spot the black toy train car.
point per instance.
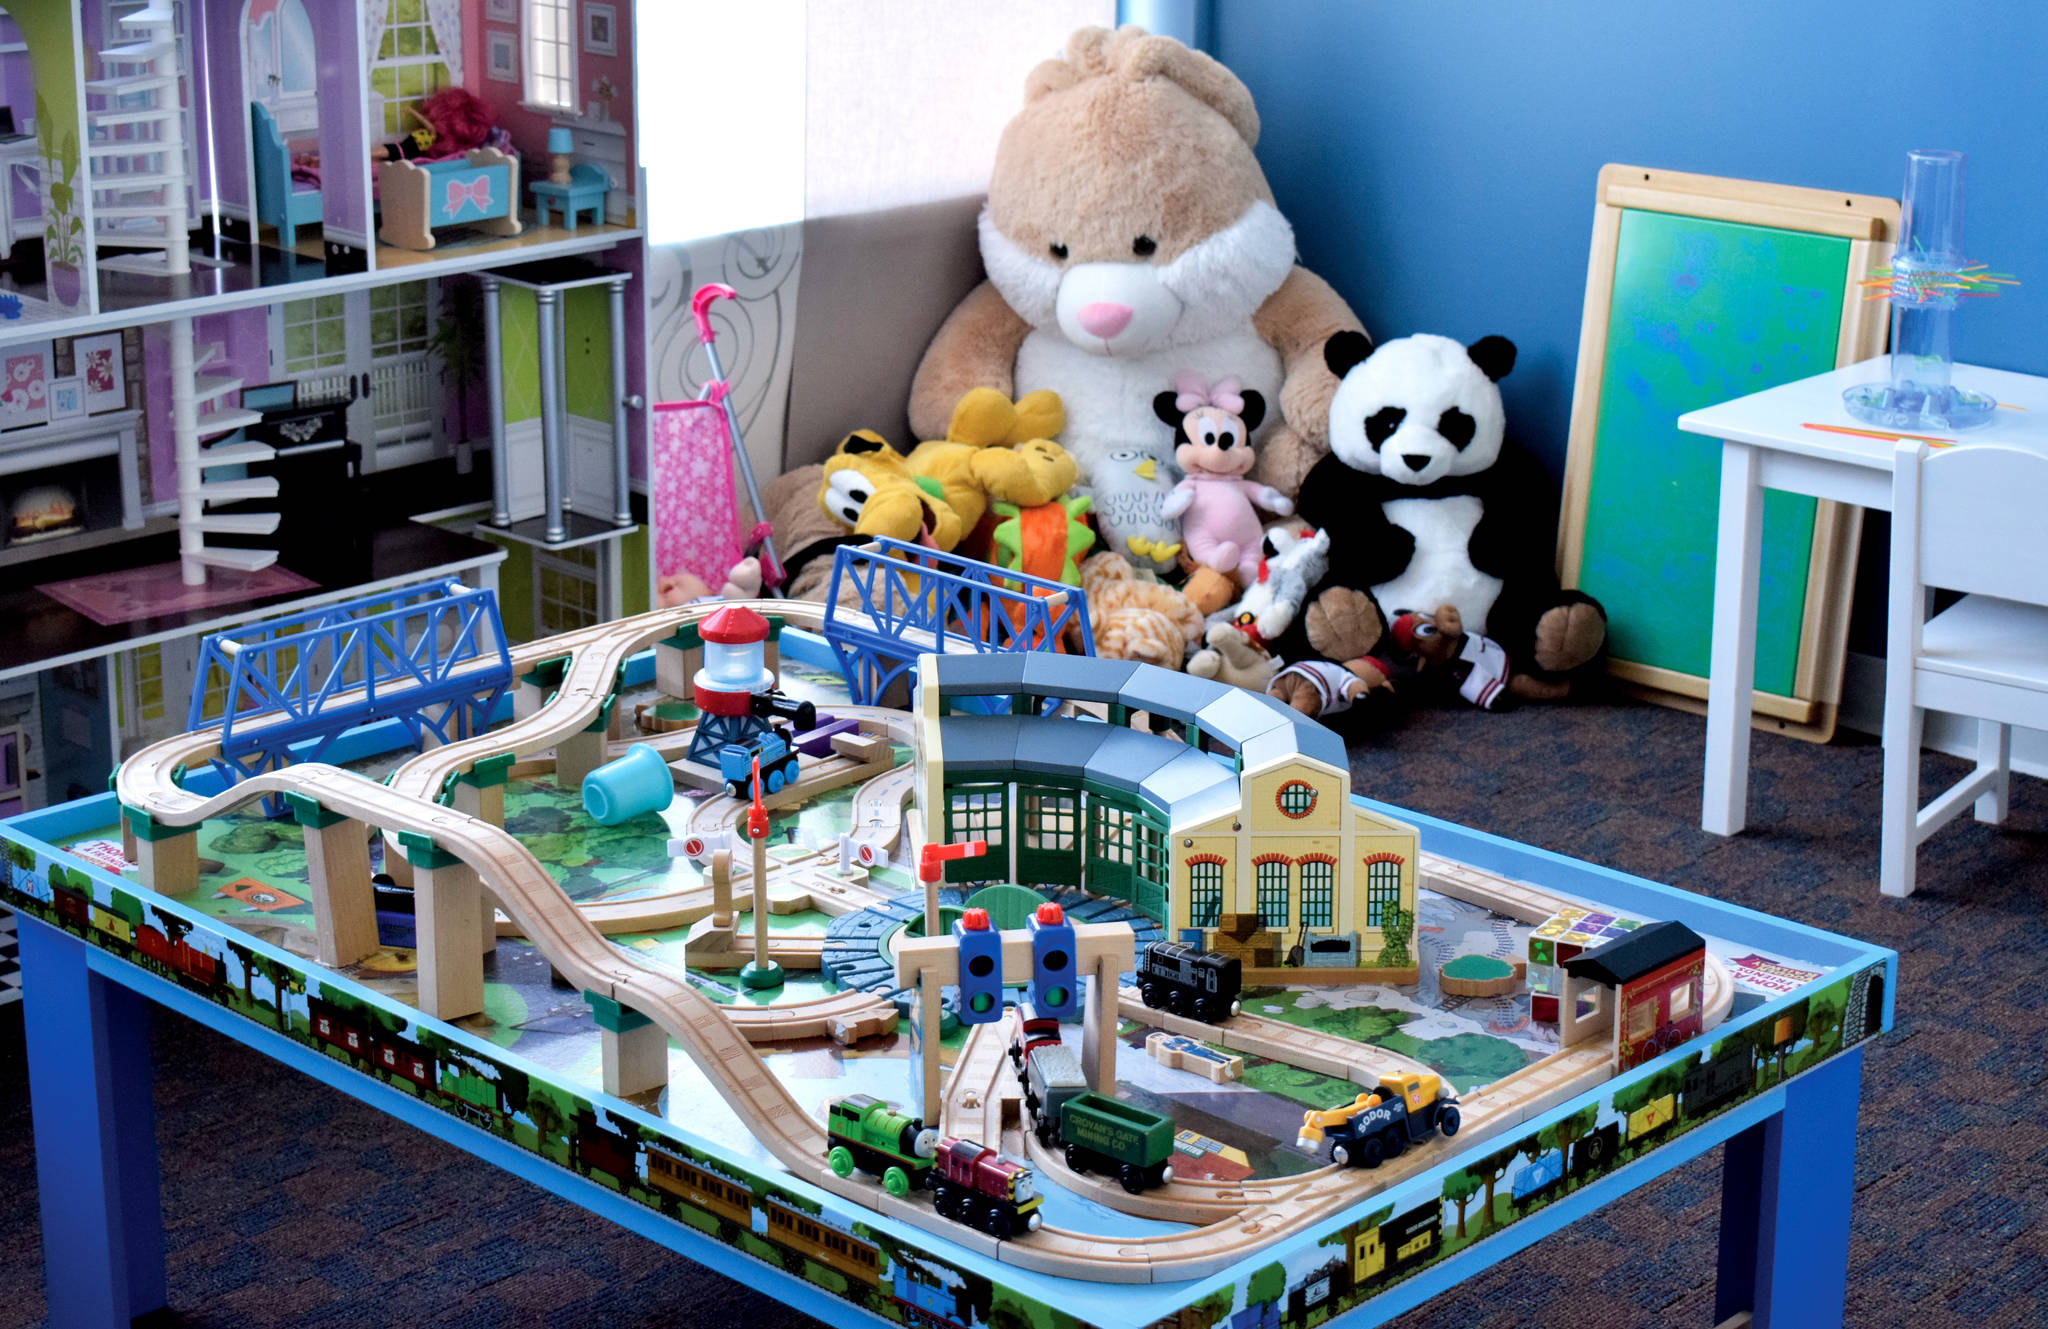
(1187, 980)
(1713, 1084)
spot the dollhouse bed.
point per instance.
(283, 199)
(478, 189)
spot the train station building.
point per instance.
(1233, 826)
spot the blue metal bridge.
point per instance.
(433, 657)
(890, 602)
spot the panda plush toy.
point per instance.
(1426, 506)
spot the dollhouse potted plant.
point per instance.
(64, 232)
(458, 341)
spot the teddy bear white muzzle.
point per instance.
(1116, 308)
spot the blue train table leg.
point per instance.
(1787, 1185)
(95, 1128)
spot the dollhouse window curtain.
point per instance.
(416, 49)
(442, 17)
(821, 108)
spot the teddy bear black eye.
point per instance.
(1226, 440)
(1209, 438)
(1059, 250)
(1381, 424)
(1456, 426)
(1144, 246)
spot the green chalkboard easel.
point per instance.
(1702, 290)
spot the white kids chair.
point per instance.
(1971, 519)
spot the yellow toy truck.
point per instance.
(1377, 1125)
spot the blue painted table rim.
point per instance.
(1109, 1305)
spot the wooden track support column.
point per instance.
(578, 755)
(1105, 950)
(634, 1049)
(721, 888)
(1098, 1025)
(930, 1029)
(537, 684)
(447, 899)
(338, 870)
(167, 855)
(676, 661)
(480, 790)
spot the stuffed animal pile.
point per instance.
(1146, 373)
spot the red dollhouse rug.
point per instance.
(113, 598)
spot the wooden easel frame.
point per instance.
(1871, 226)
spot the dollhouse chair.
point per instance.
(1964, 519)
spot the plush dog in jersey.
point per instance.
(1426, 506)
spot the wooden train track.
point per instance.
(982, 1091)
(713, 1038)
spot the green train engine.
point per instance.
(862, 1132)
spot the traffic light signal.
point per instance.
(981, 968)
(1053, 981)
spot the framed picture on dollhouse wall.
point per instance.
(97, 362)
(67, 397)
(501, 56)
(24, 385)
(600, 30)
(501, 11)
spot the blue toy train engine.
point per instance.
(774, 745)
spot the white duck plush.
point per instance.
(1285, 576)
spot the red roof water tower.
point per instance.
(735, 661)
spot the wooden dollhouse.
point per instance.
(216, 358)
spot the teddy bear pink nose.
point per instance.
(1103, 319)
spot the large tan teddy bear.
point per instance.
(1129, 235)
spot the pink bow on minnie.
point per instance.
(1191, 390)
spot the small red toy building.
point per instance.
(1657, 975)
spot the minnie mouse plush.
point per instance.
(1215, 503)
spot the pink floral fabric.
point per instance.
(690, 484)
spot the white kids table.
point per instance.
(1765, 445)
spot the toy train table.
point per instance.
(975, 1093)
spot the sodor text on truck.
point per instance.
(1377, 1125)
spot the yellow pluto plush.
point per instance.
(869, 489)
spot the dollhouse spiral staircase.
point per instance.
(192, 389)
(136, 145)
(136, 149)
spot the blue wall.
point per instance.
(1438, 159)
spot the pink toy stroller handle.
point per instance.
(700, 307)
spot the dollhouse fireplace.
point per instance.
(68, 478)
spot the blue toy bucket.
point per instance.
(623, 789)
